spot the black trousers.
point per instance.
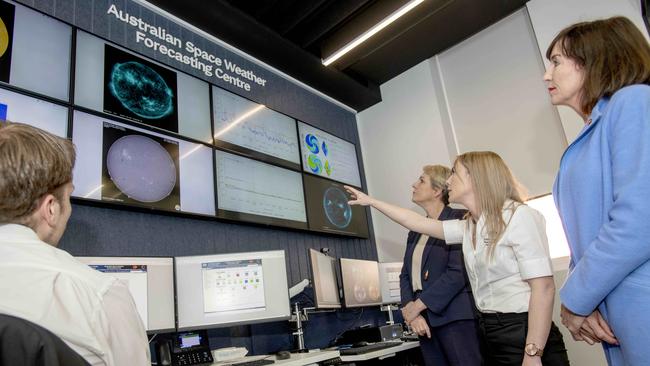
(503, 338)
(452, 344)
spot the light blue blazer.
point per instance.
(602, 193)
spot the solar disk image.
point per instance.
(140, 169)
(139, 90)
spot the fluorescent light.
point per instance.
(372, 31)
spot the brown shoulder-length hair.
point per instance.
(612, 52)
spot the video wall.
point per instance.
(152, 137)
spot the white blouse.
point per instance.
(499, 283)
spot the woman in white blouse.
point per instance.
(506, 257)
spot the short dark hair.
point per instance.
(33, 163)
(612, 52)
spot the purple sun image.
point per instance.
(141, 168)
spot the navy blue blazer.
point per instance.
(445, 289)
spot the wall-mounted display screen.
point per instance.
(228, 289)
(328, 209)
(328, 156)
(112, 80)
(252, 129)
(360, 282)
(253, 191)
(39, 113)
(123, 164)
(34, 51)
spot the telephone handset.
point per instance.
(185, 348)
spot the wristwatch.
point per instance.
(531, 349)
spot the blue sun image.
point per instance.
(141, 90)
(312, 143)
(336, 207)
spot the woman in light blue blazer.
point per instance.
(601, 69)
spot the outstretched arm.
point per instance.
(402, 216)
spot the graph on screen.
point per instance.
(248, 186)
(244, 123)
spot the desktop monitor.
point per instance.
(389, 280)
(326, 286)
(360, 282)
(151, 283)
(223, 290)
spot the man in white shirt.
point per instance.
(91, 312)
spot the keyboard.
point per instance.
(367, 349)
(259, 362)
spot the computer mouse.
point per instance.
(283, 355)
(360, 344)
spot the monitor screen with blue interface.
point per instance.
(151, 283)
(254, 130)
(223, 290)
(324, 280)
(360, 282)
(250, 190)
(328, 209)
(328, 156)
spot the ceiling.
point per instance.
(294, 35)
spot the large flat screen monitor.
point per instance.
(328, 210)
(389, 279)
(151, 283)
(250, 190)
(360, 282)
(39, 113)
(254, 130)
(328, 156)
(127, 165)
(119, 82)
(324, 280)
(223, 290)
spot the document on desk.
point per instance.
(135, 276)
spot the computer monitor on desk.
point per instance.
(223, 290)
(389, 279)
(324, 279)
(360, 282)
(151, 283)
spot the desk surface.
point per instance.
(382, 353)
(297, 359)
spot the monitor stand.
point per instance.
(389, 309)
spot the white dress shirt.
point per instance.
(499, 283)
(91, 312)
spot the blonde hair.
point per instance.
(33, 163)
(493, 185)
(438, 175)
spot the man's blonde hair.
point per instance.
(33, 163)
(493, 184)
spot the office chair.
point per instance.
(25, 343)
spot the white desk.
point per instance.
(382, 353)
(297, 359)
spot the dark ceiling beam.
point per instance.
(241, 31)
(324, 22)
(298, 13)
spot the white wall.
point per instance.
(498, 101)
(398, 136)
(549, 17)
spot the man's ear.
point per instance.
(49, 209)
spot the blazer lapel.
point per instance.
(429, 245)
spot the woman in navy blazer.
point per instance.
(441, 310)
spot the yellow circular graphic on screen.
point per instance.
(4, 38)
